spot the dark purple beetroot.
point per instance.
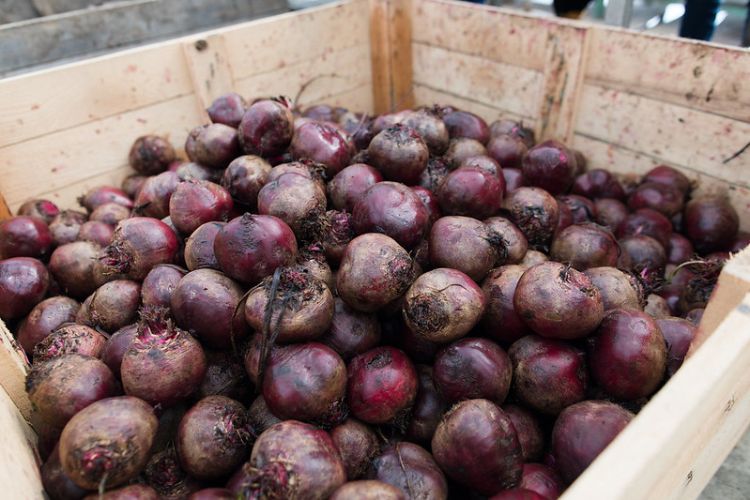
(643, 255)
(204, 304)
(159, 284)
(663, 198)
(321, 143)
(382, 386)
(430, 128)
(741, 241)
(657, 307)
(74, 267)
(213, 438)
(368, 490)
(517, 494)
(564, 219)
(581, 208)
(461, 149)
(23, 284)
(465, 244)
(225, 376)
(44, 209)
(618, 289)
(56, 484)
(680, 249)
(711, 223)
(70, 338)
(535, 212)
(374, 271)
(648, 222)
(151, 155)
(484, 162)
(350, 184)
(351, 332)
(513, 244)
(212, 494)
(500, 320)
(392, 209)
(528, 430)
(695, 315)
(227, 109)
(112, 305)
(477, 446)
(628, 355)
(100, 195)
(196, 202)
(557, 301)
(199, 247)
(313, 258)
(213, 146)
(133, 492)
(306, 168)
(109, 440)
(357, 444)
(610, 212)
(548, 375)
(116, 346)
(598, 183)
(418, 348)
(532, 258)
(132, 184)
(507, 150)
(244, 177)
(581, 433)
(45, 318)
(153, 198)
(61, 387)
(443, 305)
(399, 153)
(164, 474)
(513, 128)
(24, 236)
(471, 191)
(260, 416)
(110, 213)
(543, 480)
(513, 179)
(434, 174)
(585, 245)
(139, 244)
(267, 127)
(430, 202)
(96, 232)
(678, 334)
(550, 166)
(191, 171)
(465, 124)
(663, 174)
(251, 247)
(412, 470)
(65, 226)
(428, 408)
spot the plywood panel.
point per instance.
(19, 473)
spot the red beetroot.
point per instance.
(430, 202)
(610, 212)
(56, 484)
(500, 320)
(350, 184)
(267, 127)
(212, 494)
(382, 386)
(647, 222)
(657, 307)
(430, 128)
(461, 149)
(227, 109)
(23, 284)
(433, 175)
(477, 446)
(295, 199)
(24, 236)
(393, 209)
(513, 128)
(472, 368)
(100, 195)
(199, 247)
(471, 191)
(374, 271)
(225, 376)
(557, 301)
(70, 339)
(618, 289)
(678, 333)
(550, 166)
(412, 470)
(513, 242)
(663, 174)
(643, 255)
(443, 305)
(357, 444)
(565, 218)
(306, 168)
(548, 375)
(528, 430)
(74, 267)
(139, 244)
(465, 124)
(628, 355)
(204, 303)
(96, 232)
(368, 490)
(191, 171)
(116, 346)
(159, 284)
(581, 433)
(213, 145)
(534, 211)
(399, 153)
(244, 177)
(351, 332)
(680, 249)
(44, 209)
(483, 162)
(581, 208)
(154, 197)
(112, 305)
(165, 475)
(532, 258)
(428, 408)
(151, 155)
(321, 143)
(251, 247)
(465, 244)
(196, 202)
(741, 241)
(584, 246)
(110, 213)
(109, 440)
(711, 223)
(542, 480)
(133, 492)
(598, 183)
(65, 226)
(507, 150)
(45, 318)
(260, 416)
(660, 197)
(695, 316)
(513, 179)
(517, 494)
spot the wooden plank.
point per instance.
(679, 439)
(686, 72)
(67, 196)
(565, 61)
(64, 158)
(672, 134)
(208, 63)
(4, 210)
(499, 85)
(357, 99)
(19, 473)
(380, 57)
(619, 13)
(13, 368)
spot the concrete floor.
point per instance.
(732, 480)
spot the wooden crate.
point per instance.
(627, 100)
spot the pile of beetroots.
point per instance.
(324, 304)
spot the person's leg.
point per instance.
(698, 21)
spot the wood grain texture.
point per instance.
(391, 54)
(4, 209)
(208, 64)
(14, 366)
(19, 473)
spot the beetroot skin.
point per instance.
(357, 444)
(500, 320)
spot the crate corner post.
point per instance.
(208, 65)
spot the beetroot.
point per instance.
(132, 184)
(165, 475)
(65, 226)
(500, 320)
(663, 174)
(598, 183)
(288, 458)
(564, 219)
(557, 301)
(461, 149)
(204, 303)
(428, 408)
(399, 153)
(368, 490)
(647, 222)
(199, 247)
(154, 197)
(96, 232)
(190, 171)
(430, 202)
(412, 470)
(260, 417)
(151, 155)
(644, 255)
(108, 442)
(74, 267)
(56, 484)
(350, 184)
(213, 145)
(110, 213)
(434, 174)
(225, 376)
(528, 430)
(581, 208)
(680, 249)
(471, 191)
(44, 318)
(159, 284)
(321, 143)
(618, 289)
(548, 375)
(70, 339)
(542, 480)
(374, 271)
(477, 446)
(534, 211)
(23, 284)
(306, 168)
(393, 209)
(98, 196)
(139, 244)
(227, 109)
(484, 162)
(44, 209)
(678, 333)
(628, 355)
(323, 113)
(351, 332)
(116, 346)
(507, 150)
(550, 166)
(296, 200)
(357, 444)
(196, 202)
(443, 305)
(711, 223)
(112, 306)
(266, 128)
(465, 244)
(251, 247)
(465, 124)
(212, 494)
(382, 386)
(581, 433)
(244, 177)
(430, 128)
(610, 212)
(695, 316)
(312, 259)
(513, 243)
(24, 236)
(584, 246)
(513, 128)
(513, 179)
(657, 307)
(663, 198)
(741, 241)
(532, 258)
(132, 492)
